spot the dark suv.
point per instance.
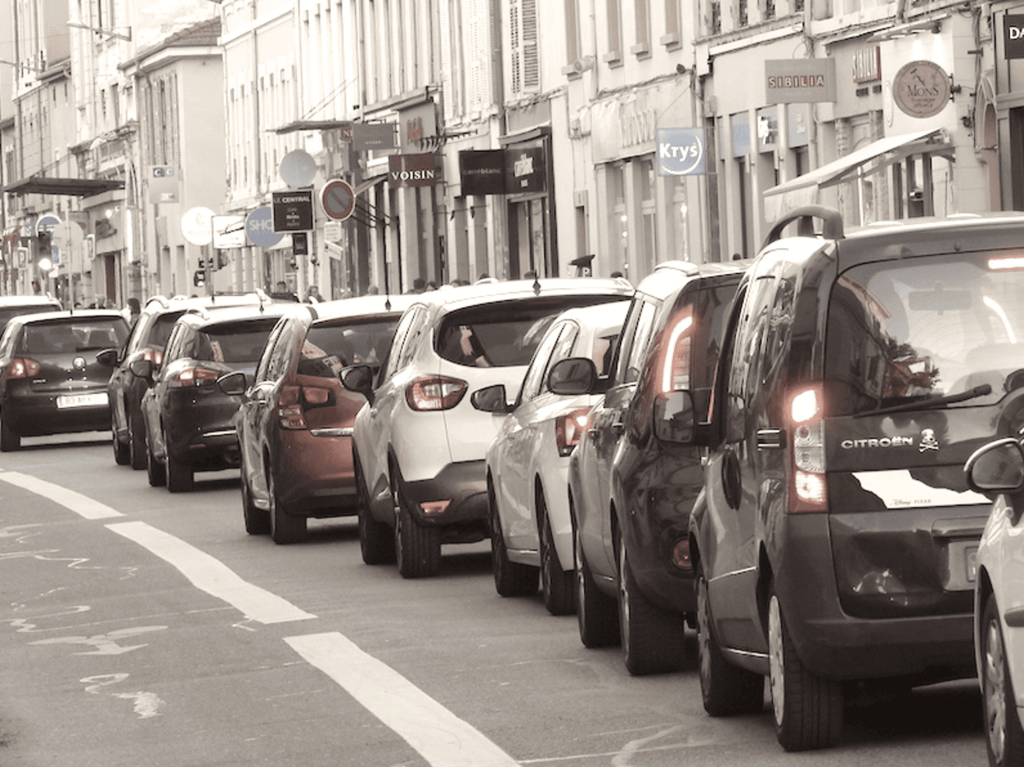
(836, 538)
(631, 485)
(147, 342)
(189, 419)
(50, 381)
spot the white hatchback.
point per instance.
(997, 470)
(418, 443)
(528, 462)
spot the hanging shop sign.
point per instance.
(525, 170)
(368, 137)
(413, 170)
(293, 211)
(482, 171)
(799, 80)
(1013, 36)
(921, 89)
(681, 152)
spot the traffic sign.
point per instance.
(47, 223)
(338, 199)
(197, 226)
(259, 227)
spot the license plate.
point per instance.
(81, 400)
(971, 561)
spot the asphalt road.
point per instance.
(143, 628)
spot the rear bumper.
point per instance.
(314, 475)
(31, 414)
(463, 485)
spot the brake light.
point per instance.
(435, 393)
(675, 374)
(569, 428)
(153, 355)
(22, 367)
(293, 401)
(808, 492)
(197, 376)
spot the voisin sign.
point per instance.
(413, 169)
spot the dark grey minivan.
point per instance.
(835, 540)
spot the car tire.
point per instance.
(725, 689)
(511, 579)
(285, 527)
(257, 521)
(557, 585)
(179, 475)
(376, 542)
(417, 547)
(808, 710)
(596, 613)
(1004, 737)
(9, 439)
(136, 441)
(156, 472)
(652, 638)
(121, 454)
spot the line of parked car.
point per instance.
(813, 459)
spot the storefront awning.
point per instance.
(803, 190)
(71, 187)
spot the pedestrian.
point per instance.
(372, 290)
(313, 295)
(281, 292)
(134, 310)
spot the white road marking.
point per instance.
(147, 704)
(436, 733)
(105, 644)
(69, 499)
(212, 576)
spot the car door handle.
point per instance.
(618, 426)
(770, 439)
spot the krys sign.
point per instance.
(681, 152)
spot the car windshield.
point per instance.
(330, 347)
(233, 342)
(74, 335)
(505, 333)
(913, 331)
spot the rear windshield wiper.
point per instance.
(931, 402)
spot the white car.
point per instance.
(528, 462)
(997, 470)
(418, 443)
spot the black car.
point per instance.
(189, 420)
(835, 543)
(147, 342)
(632, 487)
(51, 380)
(12, 306)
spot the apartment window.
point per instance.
(673, 24)
(769, 9)
(573, 49)
(742, 13)
(614, 54)
(642, 16)
(525, 57)
(715, 17)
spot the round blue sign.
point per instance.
(47, 223)
(259, 228)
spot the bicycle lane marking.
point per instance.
(436, 733)
(442, 738)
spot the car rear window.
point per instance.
(504, 333)
(232, 342)
(910, 330)
(74, 335)
(330, 347)
(9, 312)
(161, 330)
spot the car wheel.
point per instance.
(121, 454)
(417, 547)
(257, 521)
(557, 585)
(376, 542)
(511, 579)
(1004, 735)
(808, 709)
(180, 477)
(9, 439)
(136, 441)
(652, 638)
(284, 527)
(725, 689)
(596, 612)
(156, 472)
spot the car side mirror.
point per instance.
(234, 384)
(573, 376)
(674, 417)
(142, 368)
(996, 468)
(108, 358)
(491, 399)
(358, 379)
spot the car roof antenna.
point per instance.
(387, 286)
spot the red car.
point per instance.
(295, 422)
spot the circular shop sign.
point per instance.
(197, 226)
(338, 199)
(921, 89)
(259, 228)
(298, 168)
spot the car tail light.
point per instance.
(196, 376)
(569, 428)
(675, 373)
(153, 355)
(22, 367)
(294, 401)
(435, 393)
(808, 492)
